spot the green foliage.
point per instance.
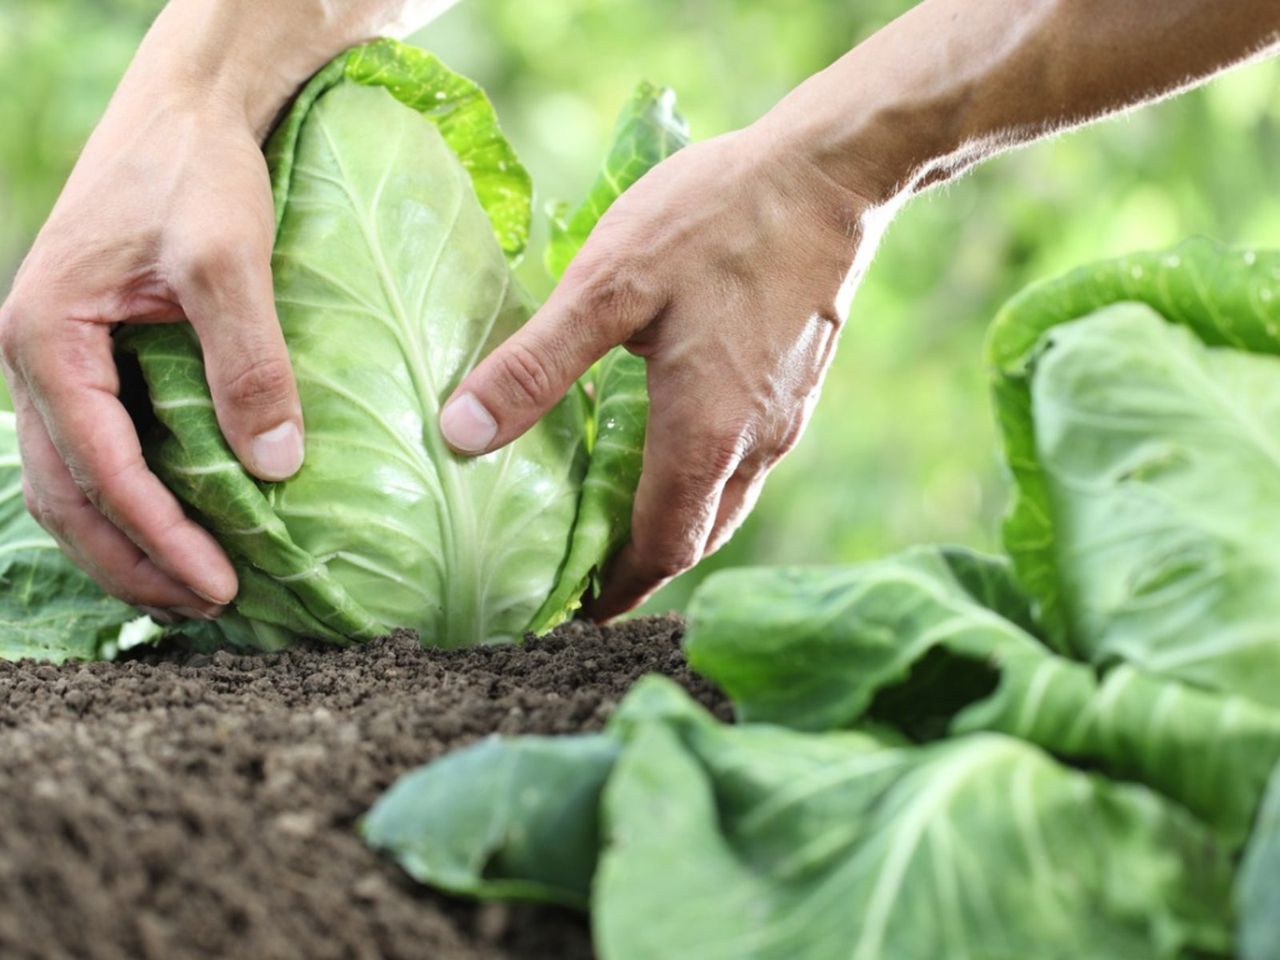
(511, 817)
(1120, 431)
(903, 643)
(1258, 895)
(635, 150)
(49, 610)
(756, 842)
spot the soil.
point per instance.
(203, 805)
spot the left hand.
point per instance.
(728, 269)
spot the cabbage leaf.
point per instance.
(49, 609)
(1173, 443)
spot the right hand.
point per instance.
(728, 268)
(167, 216)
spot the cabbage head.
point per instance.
(400, 211)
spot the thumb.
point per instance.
(532, 370)
(230, 302)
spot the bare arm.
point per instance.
(167, 216)
(731, 266)
(953, 82)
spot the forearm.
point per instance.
(954, 81)
(250, 56)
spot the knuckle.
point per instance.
(666, 561)
(31, 500)
(618, 287)
(261, 384)
(98, 485)
(216, 258)
(787, 442)
(136, 585)
(51, 516)
(94, 486)
(12, 335)
(722, 451)
(526, 375)
(121, 591)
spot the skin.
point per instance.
(730, 268)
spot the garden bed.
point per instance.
(190, 805)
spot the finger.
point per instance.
(677, 502)
(86, 536)
(74, 387)
(599, 304)
(229, 299)
(736, 503)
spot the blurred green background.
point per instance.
(901, 448)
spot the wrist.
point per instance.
(940, 88)
(243, 58)
(866, 135)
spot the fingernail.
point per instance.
(467, 425)
(163, 617)
(228, 594)
(192, 614)
(277, 453)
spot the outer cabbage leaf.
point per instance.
(457, 106)
(811, 647)
(1257, 887)
(1160, 461)
(608, 493)
(1225, 297)
(756, 842)
(905, 643)
(468, 123)
(507, 817)
(389, 286)
(49, 609)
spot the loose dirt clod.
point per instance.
(199, 806)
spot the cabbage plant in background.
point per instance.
(1071, 752)
(400, 210)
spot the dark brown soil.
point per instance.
(187, 806)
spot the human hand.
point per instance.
(167, 216)
(728, 269)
